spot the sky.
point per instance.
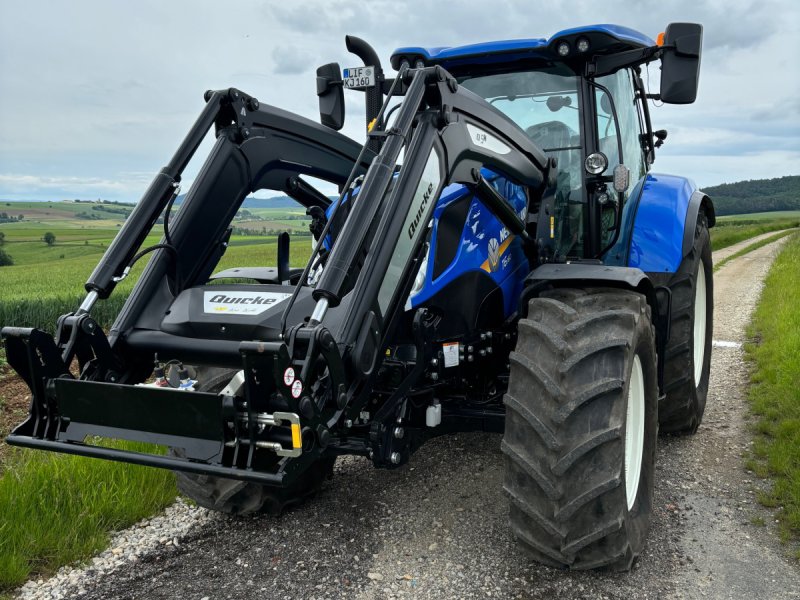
(95, 95)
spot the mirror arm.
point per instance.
(605, 65)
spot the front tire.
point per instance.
(687, 363)
(581, 428)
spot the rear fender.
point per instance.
(583, 275)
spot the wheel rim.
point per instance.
(699, 323)
(634, 431)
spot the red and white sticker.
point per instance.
(450, 352)
(288, 376)
(297, 388)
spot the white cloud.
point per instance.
(94, 90)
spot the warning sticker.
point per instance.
(450, 352)
(297, 388)
(288, 376)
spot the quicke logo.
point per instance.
(423, 205)
(223, 299)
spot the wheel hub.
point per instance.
(699, 323)
(634, 431)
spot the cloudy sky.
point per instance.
(96, 94)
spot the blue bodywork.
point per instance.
(653, 225)
(480, 228)
(446, 56)
(653, 218)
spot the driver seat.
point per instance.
(550, 135)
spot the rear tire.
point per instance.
(579, 444)
(235, 497)
(687, 363)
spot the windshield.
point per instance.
(545, 105)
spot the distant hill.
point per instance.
(741, 197)
(756, 195)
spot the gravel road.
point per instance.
(437, 527)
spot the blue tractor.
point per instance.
(500, 257)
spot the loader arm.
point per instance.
(297, 387)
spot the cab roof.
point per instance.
(603, 38)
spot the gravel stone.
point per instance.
(128, 546)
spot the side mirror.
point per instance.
(330, 90)
(680, 63)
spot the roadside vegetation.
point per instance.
(56, 509)
(775, 393)
(732, 230)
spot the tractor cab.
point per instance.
(580, 96)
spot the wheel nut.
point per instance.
(399, 432)
(395, 458)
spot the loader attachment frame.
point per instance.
(321, 368)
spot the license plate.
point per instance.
(356, 78)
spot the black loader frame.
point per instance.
(331, 335)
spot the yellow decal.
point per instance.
(552, 227)
(297, 440)
(503, 247)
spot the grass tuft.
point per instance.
(56, 509)
(774, 392)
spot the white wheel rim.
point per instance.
(699, 323)
(634, 431)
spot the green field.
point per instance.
(46, 281)
(774, 393)
(733, 229)
(762, 216)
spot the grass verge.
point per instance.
(774, 393)
(56, 509)
(729, 232)
(750, 247)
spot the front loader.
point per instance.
(499, 258)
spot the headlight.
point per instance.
(582, 44)
(563, 49)
(596, 163)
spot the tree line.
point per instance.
(756, 195)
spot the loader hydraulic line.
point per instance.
(339, 268)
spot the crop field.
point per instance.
(47, 281)
(34, 293)
(776, 215)
(733, 229)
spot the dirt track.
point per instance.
(437, 528)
